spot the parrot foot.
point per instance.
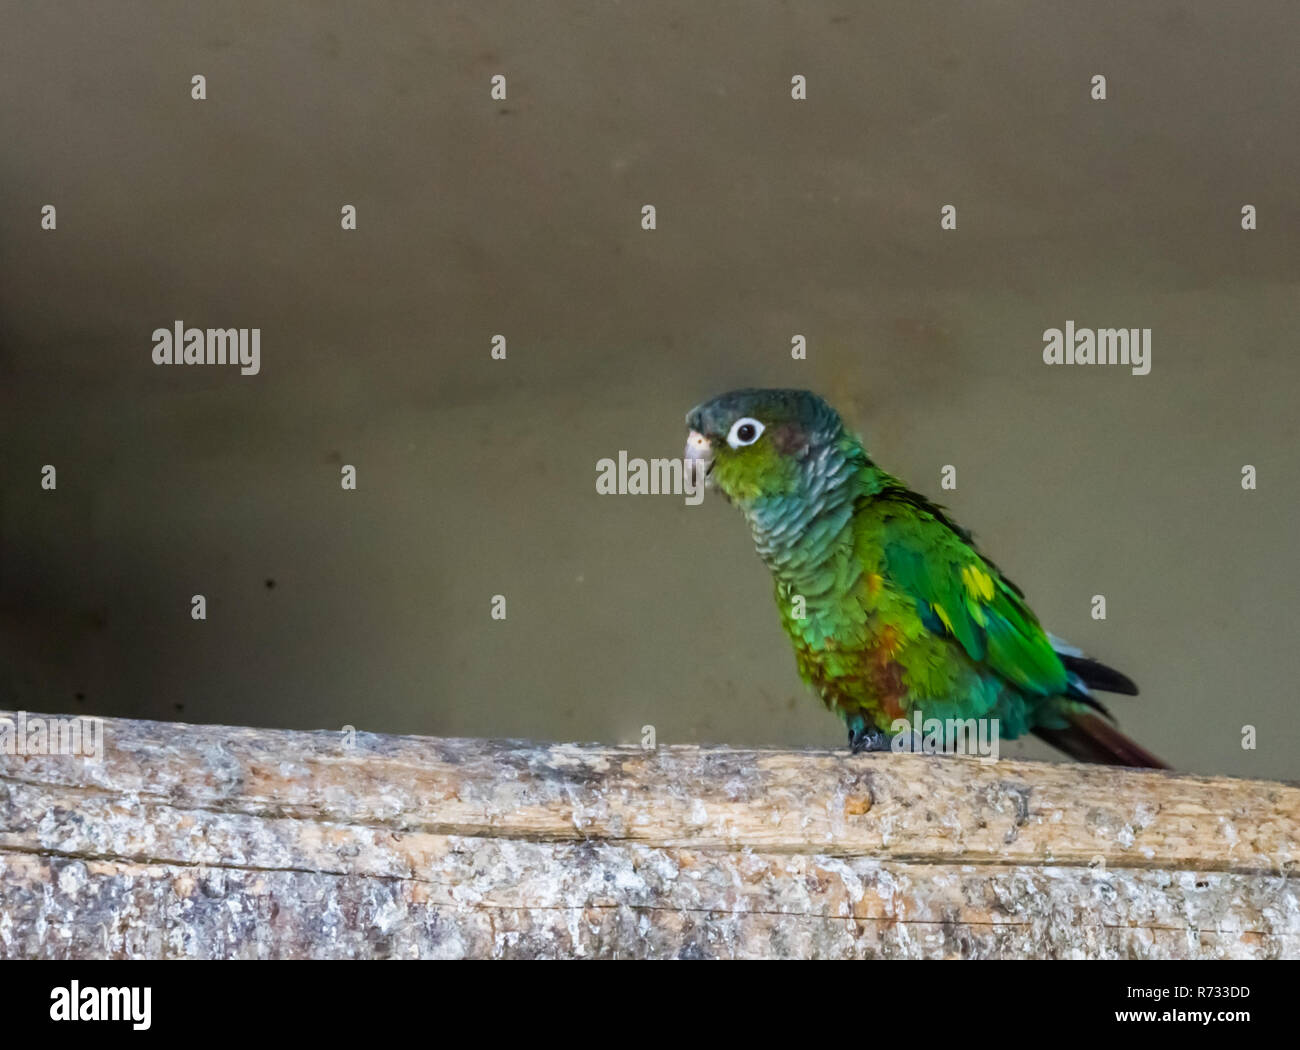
(868, 738)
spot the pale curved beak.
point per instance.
(699, 456)
(698, 447)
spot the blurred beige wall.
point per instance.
(522, 217)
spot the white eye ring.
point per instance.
(734, 437)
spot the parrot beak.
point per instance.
(697, 446)
(699, 454)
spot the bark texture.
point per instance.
(216, 842)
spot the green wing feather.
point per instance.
(960, 592)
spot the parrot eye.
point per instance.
(744, 432)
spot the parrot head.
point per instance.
(757, 444)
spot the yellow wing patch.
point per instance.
(942, 614)
(978, 582)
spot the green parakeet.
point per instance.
(891, 608)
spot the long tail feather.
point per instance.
(1096, 675)
(1092, 739)
(1093, 674)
